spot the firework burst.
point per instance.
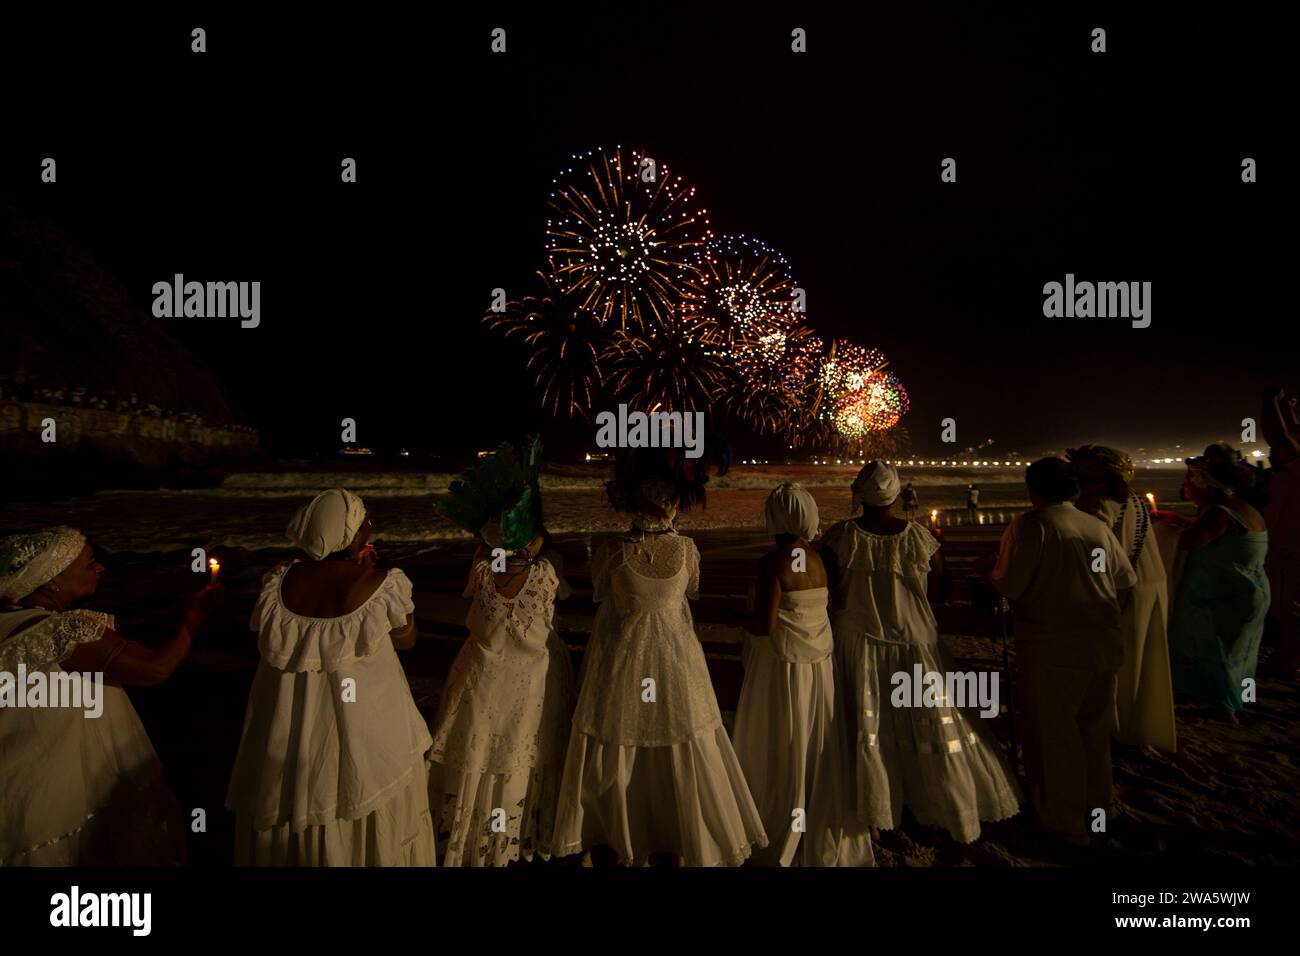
(877, 406)
(740, 283)
(858, 395)
(564, 343)
(677, 365)
(622, 244)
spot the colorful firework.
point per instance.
(776, 354)
(677, 365)
(877, 406)
(564, 343)
(844, 370)
(623, 235)
(740, 283)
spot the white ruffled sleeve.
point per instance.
(293, 642)
(53, 638)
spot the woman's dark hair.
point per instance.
(1053, 479)
(634, 466)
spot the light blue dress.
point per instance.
(1218, 618)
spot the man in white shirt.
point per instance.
(1066, 576)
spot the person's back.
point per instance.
(327, 589)
(1064, 570)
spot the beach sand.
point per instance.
(1227, 796)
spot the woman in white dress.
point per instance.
(789, 735)
(79, 788)
(936, 761)
(331, 768)
(1144, 704)
(650, 768)
(503, 721)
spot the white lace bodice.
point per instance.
(509, 694)
(645, 680)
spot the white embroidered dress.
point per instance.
(939, 762)
(792, 744)
(331, 768)
(650, 768)
(75, 790)
(502, 724)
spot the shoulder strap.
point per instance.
(1234, 516)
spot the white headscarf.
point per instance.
(327, 523)
(28, 561)
(791, 510)
(876, 486)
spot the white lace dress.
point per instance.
(650, 768)
(939, 762)
(791, 742)
(75, 789)
(331, 768)
(502, 724)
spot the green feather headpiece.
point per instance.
(498, 499)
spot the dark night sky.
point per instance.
(1122, 166)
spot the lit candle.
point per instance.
(934, 516)
(214, 566)
(1151, 498)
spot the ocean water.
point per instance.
(250, 510)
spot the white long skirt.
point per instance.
(1144, 702)
(688, 799)
(492, 819)
(397, 833)
(944, 766)
(794, 752)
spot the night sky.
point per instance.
(1123, 166)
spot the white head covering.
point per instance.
(28, 561)
(327, 523)
(876, 486)
(791, 510)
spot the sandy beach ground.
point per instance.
(1229, 795)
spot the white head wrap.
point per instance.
(327, 523)
(791, 510)
(876, 486)
(28, 561)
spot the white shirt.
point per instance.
(1066, 612)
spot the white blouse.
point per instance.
(331, 730)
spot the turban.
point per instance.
(327, 523)
(28, 561)
(791, 510)
(876, 486)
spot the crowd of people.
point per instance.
(631, 761)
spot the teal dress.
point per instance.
(1218, 618)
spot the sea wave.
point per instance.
(301, 484)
